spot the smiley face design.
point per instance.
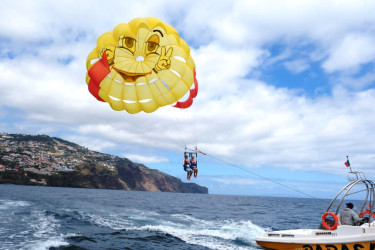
(140, 66)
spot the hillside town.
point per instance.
(44, 155)
(50, 161)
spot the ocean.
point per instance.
(34, 217)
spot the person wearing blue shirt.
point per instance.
(187, 168)
(194, 166)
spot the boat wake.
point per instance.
(22, 227)
(217, 234)
(105, 219)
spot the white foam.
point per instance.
(39, 231)
(47, 244)
(43, 225)
(112, 221)
(125, 220)
(216, 234)
(141, 212)
(6, 204)
(211, 234)
(188, 218)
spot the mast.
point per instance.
(348, 163)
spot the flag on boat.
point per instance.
(347, 163)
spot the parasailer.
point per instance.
(189, 162)
(187, 168)
(141, 66)
(194, 166)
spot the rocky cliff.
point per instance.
(50, 161)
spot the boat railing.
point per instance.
(355, 176)
(353, 188)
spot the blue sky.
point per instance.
(286, 89)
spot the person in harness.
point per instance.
(194, 166)
(186, 165)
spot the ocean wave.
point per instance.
(59, 218)
(216, 234)
(9, 204)
(35, 230)
(219, 234)
(80, 238)
(46, 243)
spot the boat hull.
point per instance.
(369, 245)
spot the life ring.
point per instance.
(367, 212)
(324, 223)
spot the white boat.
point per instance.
(331, 235)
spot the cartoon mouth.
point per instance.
(130, 77)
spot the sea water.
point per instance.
(33, 217)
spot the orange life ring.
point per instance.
(324, 223)
(367, 212)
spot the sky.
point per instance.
(286, 89)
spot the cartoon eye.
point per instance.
(129, 43)
(152, 44)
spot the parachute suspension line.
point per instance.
(194, 124)
(189, 127)
(260, 176)
(183, 124)
(155, 117)
(182, 145)
(173, 126)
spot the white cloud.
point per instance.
(91, 142)
(235, 117)
(230, 180)
(146, 159)
(357, 83)
(350, 53)
(296, 66)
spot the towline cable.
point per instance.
(258, 175)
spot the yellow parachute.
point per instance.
(141, 66)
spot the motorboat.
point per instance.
(331, 234)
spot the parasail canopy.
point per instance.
(141, 66)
